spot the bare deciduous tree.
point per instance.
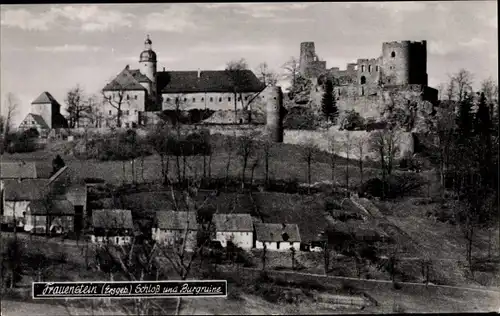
(384, 143)
(11, 103)
(308, 155)
(78, 106)
(291, 68)
(266, 75)
(235, 70)
(246, 148)
(347, 148)
(333, 151)
(359, 149)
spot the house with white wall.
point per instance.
(171, 227)
(112, 226)
(278, 237)
(235, 228)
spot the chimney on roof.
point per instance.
(199, 73)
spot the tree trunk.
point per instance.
(361, 170)
(309, 175)
(204, 166)
(267, 167)
(347, 172)
(124, 174)
(210, 166)
(245, 162)
(178, 167)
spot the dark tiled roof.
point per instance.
(14, 170)
(136, 73)
(233, 222)
(39, 120)
(43, 169)
(274, 232)
(56, 207)
(124, 81)
(25, 190)
(111, 219)
(45, 97)
(176, 220)
(209, 81)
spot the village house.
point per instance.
(17, 195)
(171, 227)
(54, 216)
(235, 228)
(112, 226)
(280, 237)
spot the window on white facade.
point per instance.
(168, 99)
(211, 99)
(220, 99)
(369, 68)
(128, 97)
(202, 99)
(194, 99)
(135, 97)
(109, 112)
(362, 68)
(376, 68)
(229, 99)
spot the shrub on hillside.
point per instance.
(398, 185)
(352, 121)
(20, 143)
(301, 118)
(371, 124)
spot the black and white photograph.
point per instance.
(250, 158)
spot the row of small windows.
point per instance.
(127, 112)
(203, 99)
(128, 97)
(369, 68)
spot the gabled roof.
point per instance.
(15, 170)
(274, 232)
(112, 219)
(233, 222)
(25, 190)
(125, 80)
(45, 97)
(176, 220)
(209, 81)
(55, 207)
(39, 120)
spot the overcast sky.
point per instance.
(54, 47)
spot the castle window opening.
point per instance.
(194, 99)
(229, 99)
(220, 99)
(211, 99)
(128, 97)
(168, 99)
(362, 91)
(369, 68)
(376, 68)
(109, 112)
(393, 54)
(202, 99)
(362, 68)
(185, 99)
(239, 99)
(135, 97)
(363, 79)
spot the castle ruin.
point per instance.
(366, 84)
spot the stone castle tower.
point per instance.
(147, 67)
(404, 62)
(310, 65)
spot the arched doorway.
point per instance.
(363, 79)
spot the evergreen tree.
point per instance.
(465, 119)
(483, 131)
(328, 102)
